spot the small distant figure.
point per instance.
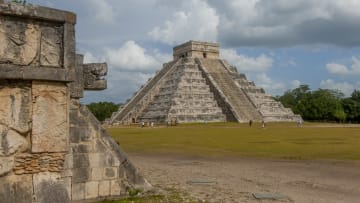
(250, 123)
(152, 124)
(300, 122)
(263, 124)
(142, 124)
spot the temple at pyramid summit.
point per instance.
(199, 86)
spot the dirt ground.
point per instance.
(236, 179)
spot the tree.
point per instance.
(103, 110)
(318, 105)
(355, 95)
(292, 98)
(351, 107)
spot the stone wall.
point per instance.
(52, 149)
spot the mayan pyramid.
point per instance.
(198, 86)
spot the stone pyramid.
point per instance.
(198, 86)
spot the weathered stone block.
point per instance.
(50, 103)
(6, 165)
(51, 46)
(75, 134)
(80, 134)
(82, 148)
(91, 190)
(49, 187)
(81, 175)
(11, 142)
(97, 159)
(110, 172)
(104, 188)
(100, 146)
(97, 173)
(115, 187)
(16, 189)
(110, 159)
(16, 105)
(81, 160)
(78, 191)
(68, 163)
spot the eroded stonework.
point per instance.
(40, 162)
(27, 42)
(50, 102)
(52, 149)
(15, 122)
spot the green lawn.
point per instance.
(277, 140)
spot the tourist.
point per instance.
(142, 124)
(250, 123)
(300, 123)
(263, 124)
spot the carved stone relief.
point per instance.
(29, 43)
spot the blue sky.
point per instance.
(278, 44)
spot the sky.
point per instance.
(278, 44)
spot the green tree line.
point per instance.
(103, 110)
(322, 104)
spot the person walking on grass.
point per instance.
(263, 124)
(300, 123)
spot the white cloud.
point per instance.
(103, 11)
(195, 20)
(295, 84)
(337, 69)
(340, 69)
(90, 58)
(344, 87)
(245, 63)
(163, 57)
(132, 57)
(272, 87)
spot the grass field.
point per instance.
(277, 140)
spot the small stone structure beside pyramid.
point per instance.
(198, 86)
(52, 149)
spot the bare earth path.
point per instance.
(235, 179)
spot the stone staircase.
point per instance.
(142, 98)
(270, 109)
(184, 96)
(241, 105)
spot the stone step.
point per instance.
(241, 104)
